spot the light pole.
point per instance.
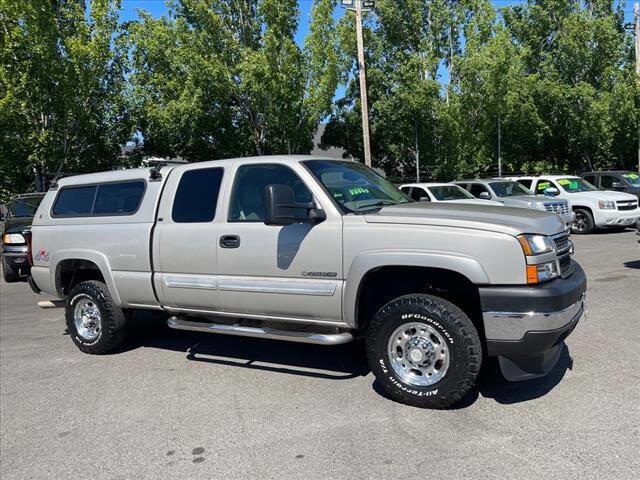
(635, 26)
(358, 6)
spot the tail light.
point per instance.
(27, 236)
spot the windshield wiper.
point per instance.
(380, 203)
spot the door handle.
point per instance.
(230, 241)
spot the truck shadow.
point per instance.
(341, 362)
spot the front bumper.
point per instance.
(568, 218)
(616, 218)
(17, 257)
(525, 326)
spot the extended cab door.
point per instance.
(292, 272)
(186, 236)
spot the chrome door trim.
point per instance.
(279, 286)
(203, 282)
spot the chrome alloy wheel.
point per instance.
(580, 223)
(86, 316)
(418, 354)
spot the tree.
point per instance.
(62, 86)
(226, 78)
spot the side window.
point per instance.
(419, 193)
(247, 200)
(525, 182)
(606, 181)
(477, 188)
(197, 195)
(75, 201)
(590, 178)
(406, 190)
(543, 184)
(118, 198)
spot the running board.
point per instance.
(261, 332)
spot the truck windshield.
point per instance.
(575, 185)
(450, 192)
(509, 189)
(24, 207)
(355, 187)
(632, 178)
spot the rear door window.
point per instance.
(118, 198)
(75, 201)
(525, 182)
(418, 194)
(197, 195)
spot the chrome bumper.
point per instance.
(512, 326)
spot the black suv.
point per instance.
(15, 264)
(618, 180)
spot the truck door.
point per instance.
(185, 239)
(292, 271)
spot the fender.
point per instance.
(90, 255)
(363, 264)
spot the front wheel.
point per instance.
(424, 351)
(95, 323)
(583, 224)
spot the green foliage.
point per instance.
(221, 78)
(62, 89)
(555, 75)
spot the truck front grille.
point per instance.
(627, 205)
(566, 265)
(562, 243)
(560, 208)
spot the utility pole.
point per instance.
(357, 6)
(636, 21)
(499, 148)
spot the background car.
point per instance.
(593, 208)
(15, 262)
(619, 181)
(442, 192)
(513, 194)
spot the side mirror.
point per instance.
(484, 196)
(282, 209)
(551, 191)
(618, 185)
(424, 199)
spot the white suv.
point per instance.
(593, 207)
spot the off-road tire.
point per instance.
(454, 326)
(113, 319)
(589, 224)
(10, 274)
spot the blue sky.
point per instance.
(157, 8)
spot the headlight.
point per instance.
(607, 204)
(535, 244)
(542, 272)
(12, 238)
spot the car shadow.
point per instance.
(340, 362)
(634, 264)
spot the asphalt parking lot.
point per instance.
(185, 405)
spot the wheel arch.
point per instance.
(69, 267)
(373, 278)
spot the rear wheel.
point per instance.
(424, 351)
(9, 273)
(583, 223)
(95, 323)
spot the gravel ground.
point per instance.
(183, 405)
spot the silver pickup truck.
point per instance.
(312, 250)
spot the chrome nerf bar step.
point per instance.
(178, 323)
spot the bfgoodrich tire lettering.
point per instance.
(452, 326)
(111, 331)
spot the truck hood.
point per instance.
(601, 195)
(525, 199)
(509, 220)
(473, 201)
